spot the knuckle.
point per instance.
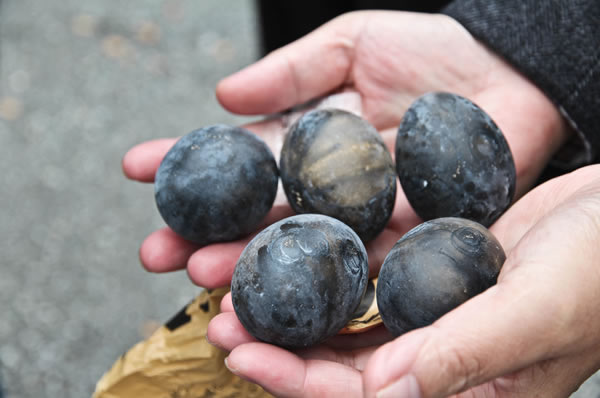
(458, 368)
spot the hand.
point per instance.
(532, 334)
(387, 59)
(212, 266)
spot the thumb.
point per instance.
(303, 70)
(542, 308)
(488, 336)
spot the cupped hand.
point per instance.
(535, 333)
(212, 266)
(386, 60)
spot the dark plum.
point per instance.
(453, 161)
(216, 184)
(433, 269)
(335, 163)
(300, 280)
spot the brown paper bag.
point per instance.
(177, 361)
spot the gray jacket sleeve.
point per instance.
(556, 44)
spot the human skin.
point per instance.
(532, 334)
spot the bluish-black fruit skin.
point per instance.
(433, 269)
(335, 163)
(299, 281)
(216, 184)
(453, 161)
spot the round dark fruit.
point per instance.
(216, 184)
(433, 269)
(335, 163)
(300, 280)
(453, 161)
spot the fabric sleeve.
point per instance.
(556, 44)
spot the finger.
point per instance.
(294, 74)
(372, 337)
(212, 266)
(284, 374)
(274, 127)
(227, 303)
(165, 251)
(141, 162)
(226, 332)
(355, 358)
(491, 335)
(465, 348)
(539, 310)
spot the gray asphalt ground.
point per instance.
(81, 81)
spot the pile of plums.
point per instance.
(300, 280)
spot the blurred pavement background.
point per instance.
(81, 81)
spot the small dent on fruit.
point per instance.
(468, 240)
(289, 251)
(447, 256)
(298, 244)
(262, 253)
(310, 247)
(352, 258)
(287, 226)
(482, 145)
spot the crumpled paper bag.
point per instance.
(177, 361)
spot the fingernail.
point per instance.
(210, 342)
(232, 370)
(236, 371)
(406, 387)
